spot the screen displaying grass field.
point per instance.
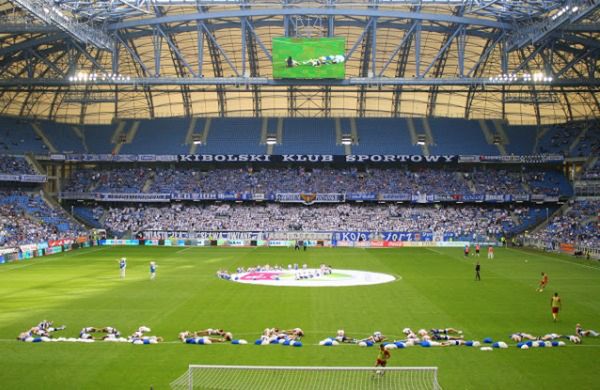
(309, 58)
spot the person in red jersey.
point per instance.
(543, 282)
(490, 252)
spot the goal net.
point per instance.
(314, 378)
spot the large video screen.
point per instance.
(309, 58)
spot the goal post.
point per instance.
(314, 378)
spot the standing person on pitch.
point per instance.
(123, 266)
(382, 358)
(543, 282)
(153, 270)
(490, 252)
(556, 305)
(477, 269)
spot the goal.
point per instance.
(314, 378)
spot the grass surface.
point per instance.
(304, 49)
(435, 289)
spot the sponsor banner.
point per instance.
(151, 242)
(23, 178)
(33, 178)
(111, 197)
(208, 235)
(407, 236)
(236, 242)
(4, 251)
(280, 243)
(453, 244)
(471, 198)
(78, 195)
(53, 250)
(512, 159)
(395, 197)
(351, 236)
(58, 157)
(538, 197)
(311, 158)
(317, 158)
(28, 248)
(368, 196)
(309, 198)
(194, 196)
(521, 197)
(567, 248)
(7, 177)
(53, 243)
(119, 242)
(495, 198)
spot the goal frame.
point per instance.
(191, 367)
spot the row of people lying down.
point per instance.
(450, 336)
(44, 330)
(280, 336)
(422, 334)
(205, 336)
(580, 332)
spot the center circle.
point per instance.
(313, 278)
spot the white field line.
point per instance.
(47, 258)
(559, 260)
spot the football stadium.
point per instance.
(300, 194)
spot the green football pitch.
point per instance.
(305, 49)
(434, 288)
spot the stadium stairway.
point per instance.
(460, 177)
(123, 136)
(81, 135)
(428, 137)
(53, 204)
(545, 221)
(503, 136)
(412, 131)
(538, 137)
(206, 126)
(149, 182)
(40, 133)
(34, 163)
(581, 134)
(490, 136)
(86, 216)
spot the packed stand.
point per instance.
(27, 219)
(579, 225)
(323, 180)
(14, 166)
(561, 139)
(592, 173)
(463, 221)
(129, 180)
(496, 181)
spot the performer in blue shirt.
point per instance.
(123, 266)
(152, 270)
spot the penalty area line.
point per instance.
(555, 259)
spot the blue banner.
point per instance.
(407, 236)
(351, 236)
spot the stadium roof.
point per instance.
(526, 61)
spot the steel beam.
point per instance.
(50, 13)
(277, 12)
(352, 81)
